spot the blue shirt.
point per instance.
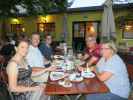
(46, 51)
(119, 82)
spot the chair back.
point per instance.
(130, 71)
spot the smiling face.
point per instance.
(106, 51)
(35, 40)
(48, 39)
(91, 42)
(23, 48)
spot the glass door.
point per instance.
(78, 36)
(84, 29)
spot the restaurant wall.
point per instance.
(58, 20)
(97, 16)
(83, 16)
(30, 23)
(119, 33)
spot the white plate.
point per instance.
(76, 79)
(67, 86)
(58, 63)
(56, 75)
(62, 83)
(87, 74)
(73, 78)
(41, 78)
(58, 56)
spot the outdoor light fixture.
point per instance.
(92, 29)
(128, 27)
(42, 19)
(23, 29)
(15, 21)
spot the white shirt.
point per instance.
(119, 82)
(34, 57)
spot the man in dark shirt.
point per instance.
(45, 47)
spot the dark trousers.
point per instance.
(104, 96)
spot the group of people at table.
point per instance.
(29, 57)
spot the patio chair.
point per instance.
(5, 94)
(130, 73)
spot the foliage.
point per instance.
(33, 7)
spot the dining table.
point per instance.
(87, 86)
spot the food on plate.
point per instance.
(86, 74)
(75, 77)
(56, 75)
(65, 83)
(58, 57)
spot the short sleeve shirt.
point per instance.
(95, 52)
(119, 82)
(34, 57)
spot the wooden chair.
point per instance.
(5, 94)
(130, 71)
(3, 74)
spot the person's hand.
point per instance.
(47, 62)
(66, 75)
(81, 68)
(43, 86)
(37, 88)
(52, 68)
(93, 68)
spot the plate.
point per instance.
(75, 78)
(54, 76)
(41, 77)
(62, 83)
(58, 63)
(58, 57)
(87, 74)
(67, 86)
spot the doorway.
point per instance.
(83, 29)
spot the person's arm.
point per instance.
(46, 61)
(42, 70)
(92, 60)
(12, 79)
(85, 56)
(103, 76)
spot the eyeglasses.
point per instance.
(49, 38)
(105, 48)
